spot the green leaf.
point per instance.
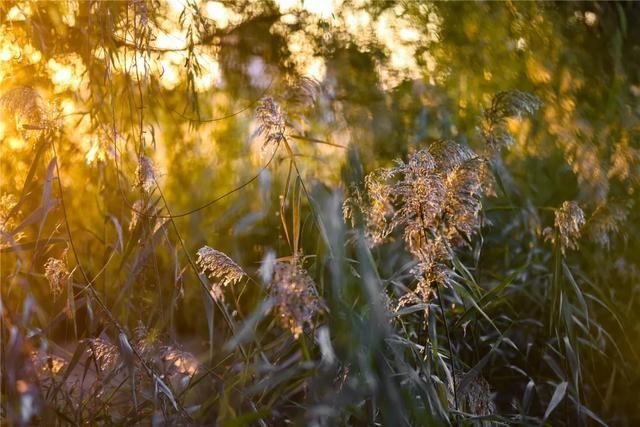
(558, 395)
(528, 395)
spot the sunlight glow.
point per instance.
(72, 8)
(316, 68)
(172, 40)
(18, 13)
(210, 73)
(323, 8)
(9, 51)
(66, 73)
(16, 143)
(221, 15)
(288, 5)
(590, 18)
(362, 163)
(95, 153)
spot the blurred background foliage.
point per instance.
(555, 336)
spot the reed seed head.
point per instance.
(296, 300)
(219, 267)
(57, 273)
(271, 121)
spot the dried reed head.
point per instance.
(219, 267)
(303, 93)
(105, 354)
(625, 161)
(465, 188)
(605, 223)
(147, 340)
(46, 365)
(434, 198)
(380, 209)
(421, 194)
(569, 220)
(475, 397)
(178, 362)
(146, 174)
(271, 121)
(57, 273)
(30, 110)
(296, 300)
(504, 105)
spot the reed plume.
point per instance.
(219, 267)
(296, 301)
(434, 199)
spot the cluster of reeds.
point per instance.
(431, 293)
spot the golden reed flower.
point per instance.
(296, 300)
(504, 105)
(434, 199)
(30, 111)
(605, 223)
(57, 273)
(105, 354)
(271, 121)
(145, 174)
(569, 220)
(178, 362)
(46, 365)
(219, 267)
